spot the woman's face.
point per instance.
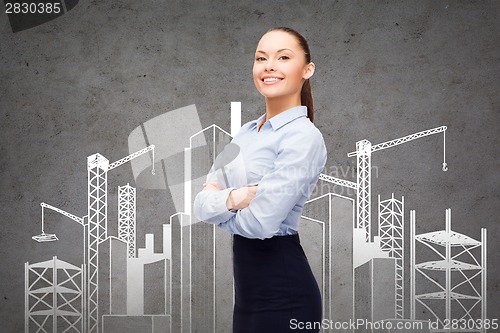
(280, 67)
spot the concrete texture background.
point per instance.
(81, 83)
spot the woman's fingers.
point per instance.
(240, 198)
(213, 185)
(252, 190)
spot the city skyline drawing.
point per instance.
(376, 271)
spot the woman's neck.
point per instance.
(276, 105)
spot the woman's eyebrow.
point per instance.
(276, 51)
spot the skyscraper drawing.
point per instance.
(211, 272)
(326, 232)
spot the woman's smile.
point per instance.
(269, 80)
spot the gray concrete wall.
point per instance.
(79, 84)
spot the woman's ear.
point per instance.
(309, 70)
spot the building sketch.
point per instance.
(144, 285)
(143, 278)
(375, 287)
(180, 272)
(112, 275)
(326, 228)
(136, 324)
(212, 273)
(188, 286)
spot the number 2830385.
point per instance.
(32, 8)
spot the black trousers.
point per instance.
(275, 289)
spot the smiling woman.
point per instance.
(283, 153)
(281, 74)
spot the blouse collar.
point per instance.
(283, 117)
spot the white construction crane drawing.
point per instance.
(364, 149)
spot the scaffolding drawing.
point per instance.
(462, 299)
(391, 233)
(127, 217)
(54, 299)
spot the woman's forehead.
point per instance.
(277, 40)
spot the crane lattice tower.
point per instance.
(391, 232)
(127, 217)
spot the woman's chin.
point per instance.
(270, 94)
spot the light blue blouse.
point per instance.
(285, 158)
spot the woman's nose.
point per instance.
(270, 65)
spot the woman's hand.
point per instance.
(240, 198)
(237, 199)
(214, 186)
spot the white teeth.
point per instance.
(270, 79)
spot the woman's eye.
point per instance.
(262, 58)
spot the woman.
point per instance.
(272, 167)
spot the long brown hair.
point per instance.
(305, 94)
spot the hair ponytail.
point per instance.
(306, 98)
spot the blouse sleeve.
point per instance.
(210, 206)
(296, 170)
